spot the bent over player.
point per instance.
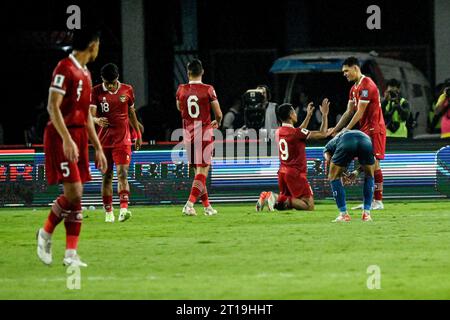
(66, 145)
(113, 110)
(195, 101)
(338, 153)
(295, 191)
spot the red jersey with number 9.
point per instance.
(74, 82)
(195, 105)
(291, 148)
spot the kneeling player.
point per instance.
(339, 152)
(295, 191)
(113, 110)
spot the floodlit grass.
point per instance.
(238, 254)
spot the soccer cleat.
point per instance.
(343, 218)
(270, 200)
(124, 215)
(44, 248)
(366, 216)
(74, 261)
(377, 205)
(358, 207)
(189, 211)
(109, 217)
(210, 211)
(261, 201)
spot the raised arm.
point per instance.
(309, 112)
(323, 133)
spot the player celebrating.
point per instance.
(364, 107)
(195, 101)
(113, 110)
(338, 153)
(66, 145)
(295, 191)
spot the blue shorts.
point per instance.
(353, 145)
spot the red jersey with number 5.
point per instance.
(195, 105)
(291, 148)
(114, 106)
(74, 82)
(372, 120)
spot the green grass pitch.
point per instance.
(238, 254)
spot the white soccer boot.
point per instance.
(44, 247)
(109, 217)
(210, 211)
(124, 214)
(270, 201)
(377, 205)
(74, 261)
(189, 211)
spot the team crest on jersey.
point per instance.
(123, 98)
(364, 93)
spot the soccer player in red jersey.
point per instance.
(195, 101)
(113, 111)
(364, 108)
(295, 191)
(66, 144)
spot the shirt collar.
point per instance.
(76, 63)
(287, 125)
(195, 82)
(115, 92)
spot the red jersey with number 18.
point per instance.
(114, 106)
(291, 148)
(195, 105)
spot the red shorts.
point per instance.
(57, 168)
(294, 184)
(378, 144)
(201, 155)
(117, 155)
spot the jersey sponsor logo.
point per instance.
(123, 98)
(364, 93)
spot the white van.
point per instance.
(318, 75)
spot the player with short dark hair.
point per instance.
(295, 191)
(195, 101)
(364, 107)
(66, 145)
(113, 111)
(339, 152)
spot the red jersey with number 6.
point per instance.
(114, 106)
(291, 148)
(372, 120)
(195, 105)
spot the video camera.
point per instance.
(254, 109)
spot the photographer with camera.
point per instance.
(443, 111)
(396, 111)
(270, 118)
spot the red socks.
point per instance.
(54, 218)
(378, 194)
(198, 188)
(124, 196)
(107, 203)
